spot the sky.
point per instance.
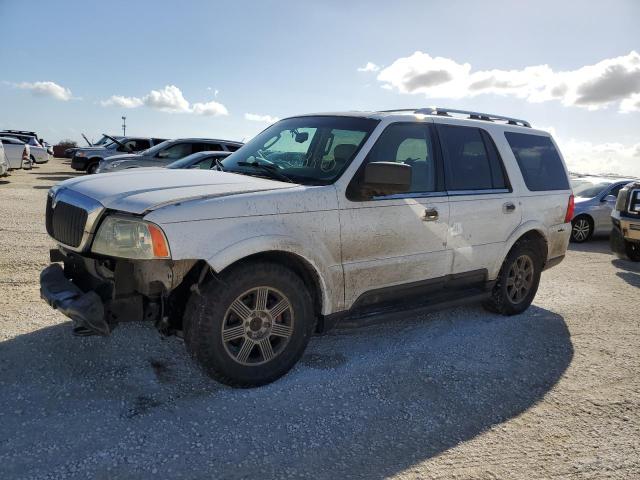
(227, 69)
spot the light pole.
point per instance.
(124, 126)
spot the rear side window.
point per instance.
(207, 147)
(232, 148)
(539, 162)
(471, 159)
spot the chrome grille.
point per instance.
(66, 222)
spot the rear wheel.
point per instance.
(518, 280)
(581, 229)
(250, 327)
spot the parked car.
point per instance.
(202, 160)
(625, 234)
(38, 153)
(165, 153)
(595, 197)
(318, 218)
(88, 158)
(17, 153)
(4, 164)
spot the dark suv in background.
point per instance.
(88, 158)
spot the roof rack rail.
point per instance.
(21, 132)
(489, 117)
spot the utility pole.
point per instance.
(124, 126)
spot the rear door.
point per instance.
(483, 208)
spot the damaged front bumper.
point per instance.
(85, 310)
(97, 293)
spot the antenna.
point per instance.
(124, 126)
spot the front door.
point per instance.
(398, 239)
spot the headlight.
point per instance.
(112, 165)
(81, 154)
(127, 237)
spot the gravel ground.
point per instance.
(551, 393)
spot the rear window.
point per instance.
(539, 162)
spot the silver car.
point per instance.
(165, 153)
(595, 197)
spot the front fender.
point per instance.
(319, 258)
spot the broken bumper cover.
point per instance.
(86, 310)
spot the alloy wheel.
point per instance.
(257, 326)
(581, 229)
(520, 278)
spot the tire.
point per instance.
(633, 250)
(91, 169)
(502, 299)
(28, 167)
(581, 229)
(250, 352)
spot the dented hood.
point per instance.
(143, 190)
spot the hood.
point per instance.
(125, 156)
(143, 190)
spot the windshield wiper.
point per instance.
(270, 170)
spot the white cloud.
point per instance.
(46, 89)
(254, 117)
(168, 99)
(120, 101)
(588, 157)
(369, 67)
(209, 108)
(631, 104)
(613, 80)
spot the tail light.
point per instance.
(570, 209)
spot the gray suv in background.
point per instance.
(165, 153)
(88, 158)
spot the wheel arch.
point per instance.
(532, 231)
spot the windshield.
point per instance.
(103, 141)
(588, 188)
(306, 150)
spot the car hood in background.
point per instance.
(143, 190)
(125, 156)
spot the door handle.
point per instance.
(430, 215)
(508, 207)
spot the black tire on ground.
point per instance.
(504, 299)
(91, 169)
(633, 250)
(214, 309)
(581, 229)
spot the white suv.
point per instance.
(318, 218)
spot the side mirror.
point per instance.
(610, 199)
(386, 178)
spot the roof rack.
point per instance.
(20, 132)
(472, 115)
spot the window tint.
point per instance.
(207, 147)
(615, 190)
(141, 144)
(471, 159)
(232, 148)
(156, 141)
(409, 144)
(539, 161)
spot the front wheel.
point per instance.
(633, 250)
(581, 229)
(251, 325)
(518, 280)
(91, 169)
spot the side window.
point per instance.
(411, 144)
(471, 159)
(156, 141)
(539, 162)
(615, 190)
(232, 148)
(207, 147)
(141, 144)
(206, 164)
(176, 151)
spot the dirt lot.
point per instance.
(552, 393)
